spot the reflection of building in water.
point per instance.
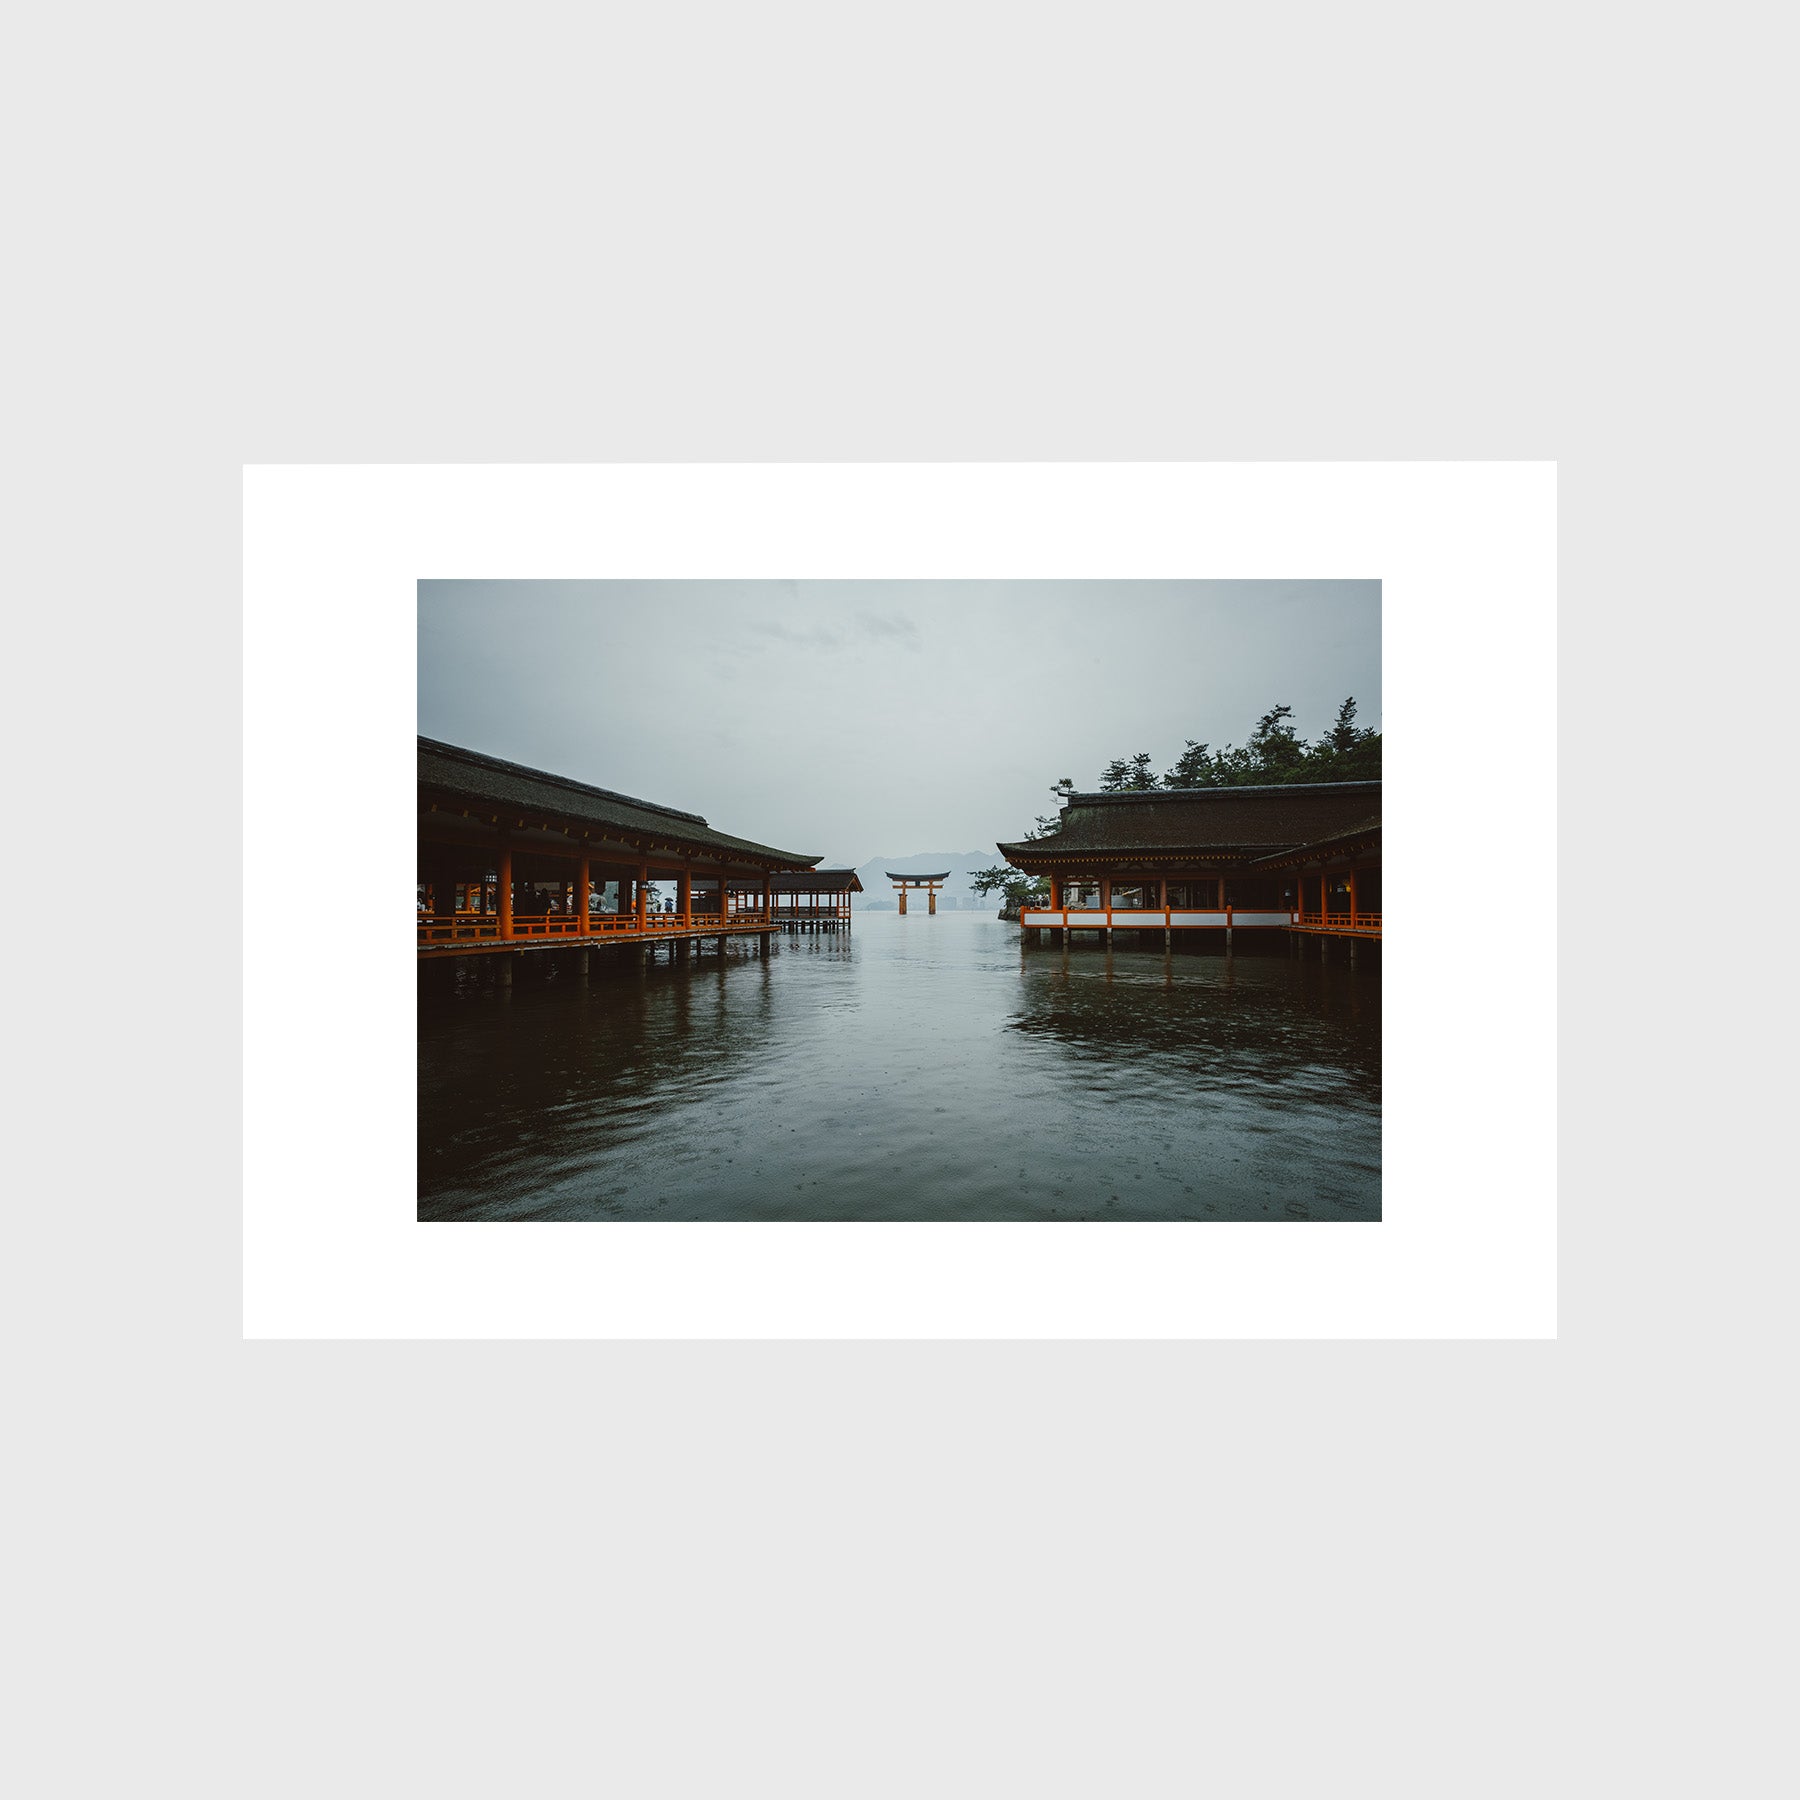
(815, 899)
(1304, 859)
(511, 859)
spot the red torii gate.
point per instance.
(903, 882)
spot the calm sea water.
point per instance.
(915, 1068)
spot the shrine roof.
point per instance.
(1367, 832)
(819, 881)
(1229, 821)
(447, 772)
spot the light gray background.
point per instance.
(971, 232)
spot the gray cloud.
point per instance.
(855, 717)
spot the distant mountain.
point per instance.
(878, 890)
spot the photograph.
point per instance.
(899, 900)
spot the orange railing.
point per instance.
(609, 924)
(1339, 921)
(546, 925)
(1090, 918)
(444, 928)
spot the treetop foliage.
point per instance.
(1274, 752)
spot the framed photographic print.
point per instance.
(888, 901)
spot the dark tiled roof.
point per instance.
(903, 877)
(467, 775)
(1366, 831)
(819, 881)
(1233, 821)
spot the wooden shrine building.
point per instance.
(1303, 858)
(1335, 882)
(513, 859)
(931, 883)
(815, 899)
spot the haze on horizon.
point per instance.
(858, 719)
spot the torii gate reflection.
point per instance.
(903, 882)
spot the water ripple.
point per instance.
(923, 1068)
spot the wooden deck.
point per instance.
(1119, 918)
(1356, 924)
(478, 934)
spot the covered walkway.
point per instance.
(516, 859)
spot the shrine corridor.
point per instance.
(915, 1068)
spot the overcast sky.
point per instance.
(864, 718)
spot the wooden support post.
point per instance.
(684, 893)
(900, 888)
(643, 896)
(584, 888)
(506, 897)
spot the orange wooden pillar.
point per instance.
(684, 897)
(931, 905)
(584, 887)
(506, 897)
(643, 896)
(900, 889)
(1353, 893)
